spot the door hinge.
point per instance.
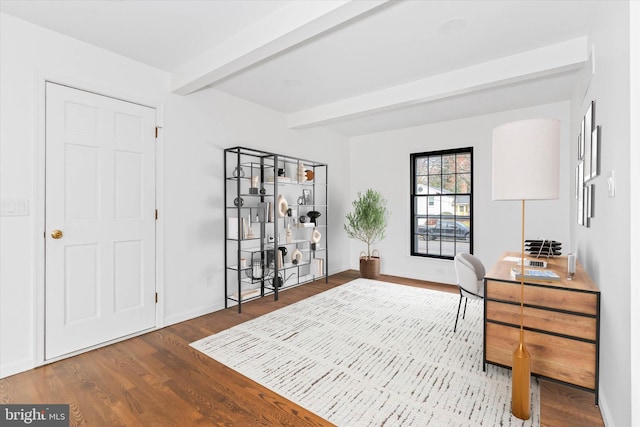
(157, 131)
(156, 214)
(156, 297)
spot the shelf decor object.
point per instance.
(238, 172)
(526, 166)
(315, 238)
(543, 248)
(283, 206)
(254, 184)
(314, 215)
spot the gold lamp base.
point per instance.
(521, 381)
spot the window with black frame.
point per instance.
(442, 203)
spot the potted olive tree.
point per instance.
(367, 223)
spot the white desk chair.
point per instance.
(470, 277)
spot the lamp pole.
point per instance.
(521, 371)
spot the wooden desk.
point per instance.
(561, 322)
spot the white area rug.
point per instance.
(370, 353)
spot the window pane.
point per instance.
(463, 183)
(433, 205)
(422, 166)
(449, 183)
(420, 205)
(435, 165)
(463, 246)
(463, 209)
(449, 164)
(422, 185)
(448, 250)
(435, 184)
(463, 163)
(421, 227)
(447, 207)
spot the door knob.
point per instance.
(56, 234)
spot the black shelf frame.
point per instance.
(234, 159)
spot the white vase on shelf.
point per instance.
(315, 239)
(301, 173)
(316, 236)
(283, 206)
(296, 256)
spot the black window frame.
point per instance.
(459, 244)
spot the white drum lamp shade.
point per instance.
(526, 160)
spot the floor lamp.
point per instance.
(526, 165)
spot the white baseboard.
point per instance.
(182, 317)
(16, 368)
(26, 365)
(604, 410)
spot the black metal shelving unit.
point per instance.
(269, 248)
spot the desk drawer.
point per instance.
(563, 359)
(557, 298)
(547, 320)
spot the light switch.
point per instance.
(611, 184)
(18, 207)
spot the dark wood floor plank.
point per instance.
(157, 379)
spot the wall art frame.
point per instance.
(589, 141)
(595, 152)
(580, 192)
(589, 201)
(587, 129)
(581, 141)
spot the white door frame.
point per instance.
(39, 315)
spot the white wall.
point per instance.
(603, 248)
(195, 131)
(381, 161)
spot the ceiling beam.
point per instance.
(287, 27)
(548, 60)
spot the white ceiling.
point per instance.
(355, 67)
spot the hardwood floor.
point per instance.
(158, 380)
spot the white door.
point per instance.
(100, 219)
